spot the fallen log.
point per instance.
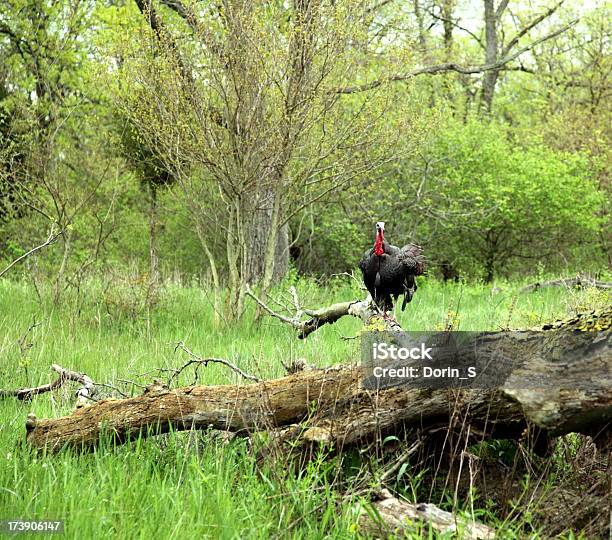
(573, 282)
(564, 386)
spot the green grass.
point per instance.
(186, 485)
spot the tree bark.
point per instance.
(564, 386)
(281, 257)
(418, 13)
(447, 8)
(212, 263)
(153, 251)
(489, 80)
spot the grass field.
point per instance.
(195, 484)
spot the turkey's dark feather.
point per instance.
(392, 274)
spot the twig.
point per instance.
(113, 387)
(26, 394)
(352, 276)
(205, 361)
(84, 394)
(371, 485)
(269, 310)
(53, 236)
(24, 347)
(132, 383)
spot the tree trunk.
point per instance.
(489, 268)
(489, 80)
(424, 49)
(491, 253)
(268, 256)
(153, 252)
(447, 8)
(281, 257)
(212, 263)
(59, 278)
(565, 385)
(233, 252)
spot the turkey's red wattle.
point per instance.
(378, 244)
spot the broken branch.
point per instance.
(84, 394)
(392, 516)
(362, 309)
(578, 281)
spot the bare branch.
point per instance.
(580, 281)
(521, 68)
(500, 9)
(205, 361)
(53, 236)
(362, 309)
(451, 66)
(84, 394)
(512, 43)
(269, 310)
(456, 25)
(26, 394)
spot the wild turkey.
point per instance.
(389, 271)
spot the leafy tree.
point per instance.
(57, 128)
(504, 207)
(246, 115)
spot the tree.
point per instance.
(153, 176)
(496, 47)
(246, 114)
(572, 97)
(504, 206)
(45, 63)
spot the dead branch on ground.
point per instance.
(580, 281)
(315, 318)
(392, 516)
(85, 394)
(564, 386)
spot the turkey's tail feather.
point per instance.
(411, 256)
